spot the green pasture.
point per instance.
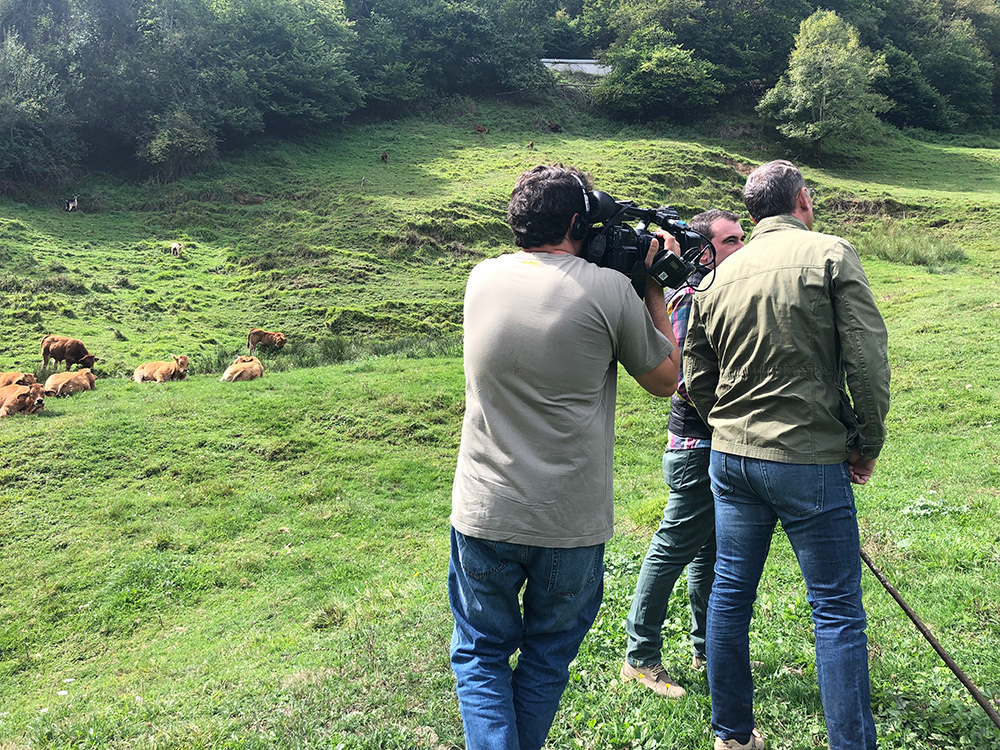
(262, 565)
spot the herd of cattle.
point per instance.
(21, 393)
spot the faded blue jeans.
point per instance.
(513, 709)
(815, 504)
(686, 536)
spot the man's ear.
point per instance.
(802, 199)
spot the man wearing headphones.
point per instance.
(532, 504)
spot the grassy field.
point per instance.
(262, 565)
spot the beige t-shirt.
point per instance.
(543, 336)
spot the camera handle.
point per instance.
(670, 271)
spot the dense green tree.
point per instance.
(526, 23)
(36, 22)
(564, 37)
(295, 57)
(746, 41)
(653, 80)
(176, 144)
(595, 23)
(38, 140)
(441, 47)
(958, 66)
(163, 85)
(953, 44)
(915, 103)
(827, 90)
(389, 80)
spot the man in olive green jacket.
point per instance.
(789, 328)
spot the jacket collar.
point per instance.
(777, 223)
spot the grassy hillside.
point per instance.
(321, 240)
(261, 565)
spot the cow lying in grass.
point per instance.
(68, 383)
(21, 399)
(265, 338)
(16, 378)
(244, 368)
(161, 371)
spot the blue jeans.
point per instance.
(815, 505)
(686, 536)
(513, 709)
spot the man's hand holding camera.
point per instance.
(667, 242)
(669, 369)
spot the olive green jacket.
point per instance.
(788, 326)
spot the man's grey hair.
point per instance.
(772, 188)
(702, 223)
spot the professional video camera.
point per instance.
(622, 247)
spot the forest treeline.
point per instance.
(159, 86)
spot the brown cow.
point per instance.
(63, 349)
(265, 338)
(244, 368)
(385, 157)
(16, 378)
(160, 371)
(68, 383)
(481, 129)
(21, 399)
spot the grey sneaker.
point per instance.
(655, 678)
(756, 742)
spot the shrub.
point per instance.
(650, 82)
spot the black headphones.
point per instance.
(579, 229)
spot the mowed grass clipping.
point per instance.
(262, 565)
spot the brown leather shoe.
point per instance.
(756, 742)
(655, 678)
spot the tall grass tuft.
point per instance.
(897, 243)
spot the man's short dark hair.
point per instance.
(772, 189)
(703, 222)
(543, 202)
